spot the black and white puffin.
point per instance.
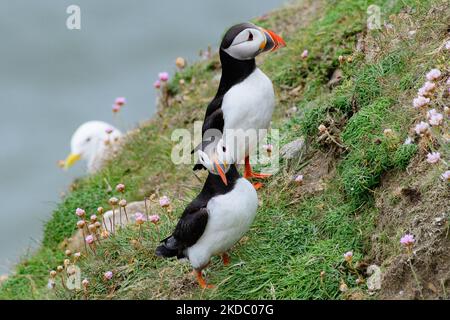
(245, 99)
(216, 219)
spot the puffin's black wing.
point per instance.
(213, 119)
(189, 229)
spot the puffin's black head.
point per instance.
(245, 41)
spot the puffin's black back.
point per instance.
(193, 221)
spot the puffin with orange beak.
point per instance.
(245, 99)
(217, 218)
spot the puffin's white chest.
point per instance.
(249, 104)
(247, 108)
(230, 217)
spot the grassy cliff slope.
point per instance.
(363, 187)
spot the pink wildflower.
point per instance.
(163, 76)
(407, 240)
(446, 175)
(348, 256)
(120, 101)
(304, 54)
(420, 101)
(433, 157)
(154, 218)
(80, 212)
(115, 108)
(421, 127)
(140, 218)
(299, 179)
(164, 201)
(90, 239)
(433, 75)
(108, 275)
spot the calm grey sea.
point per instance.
(53, 79)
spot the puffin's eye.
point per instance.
(88, 139)
(250, 37)
(224, 149)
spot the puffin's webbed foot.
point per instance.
(248, 172)
(201, 281)
(225, 259)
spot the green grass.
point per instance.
(295, 236)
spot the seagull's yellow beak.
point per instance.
(71, 159)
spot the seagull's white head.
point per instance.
(89, 142)
(216, 159)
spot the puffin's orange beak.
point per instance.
(273, 41)
(221, 172)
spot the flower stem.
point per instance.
(84, 241)
(419, 287)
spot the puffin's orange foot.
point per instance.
(260, 175)
(225, 259)
(201, 281)
(257, 185)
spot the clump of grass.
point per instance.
(403, 155)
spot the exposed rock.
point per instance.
(294, 149)
(336, 78)
(374, 281)
(76, 242)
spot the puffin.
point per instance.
(245, 99)
(216, 219)
(92, 142)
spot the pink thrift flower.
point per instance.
(120, 101)
(154, 218)
(433, 157)
(268, 147)
(420, 102)
(436, 119)
(90, 239)
(433, 75)
(421, 127)
(109, 130)
(140, 218)
(115, 108)
(304, 54)
(446, 175)
(447, 45)
(164, 201)
(431, 113)
(80, 212)
(348, 256)
(299, 178)
(448, 82)
(108, 275)
(407, 240)
(120, 187)
(157, 84)
(163, 76)
(427, 88)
